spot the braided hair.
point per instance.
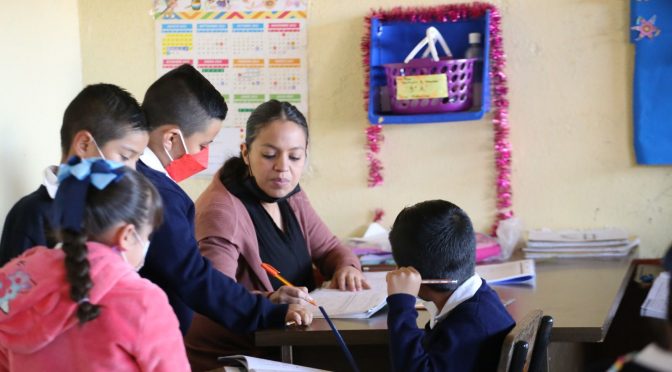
(131, 199)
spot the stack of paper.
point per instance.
(374, 247)
(655, 304)
(605, 242)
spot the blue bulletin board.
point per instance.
(651, 33)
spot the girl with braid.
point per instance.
(83, 306)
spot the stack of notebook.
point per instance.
(655, 304)
(604, 242)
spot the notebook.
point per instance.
(252, 364)
(655, 304)
(353, 305)
(512, 272)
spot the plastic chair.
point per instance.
(539, 362)
(516, 354)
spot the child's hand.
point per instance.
(299, 314)
(403, 280)
(290, 295)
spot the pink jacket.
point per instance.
(39, 331)
(226, 236)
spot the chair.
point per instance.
(539, 362)
(518, 345)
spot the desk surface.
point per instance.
(581, 295)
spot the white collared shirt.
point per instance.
(655, 358)
(50, 180)
(151, 160)
(464, 292)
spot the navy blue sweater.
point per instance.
(27, 225)
(469, 339)
(175, 264)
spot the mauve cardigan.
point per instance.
(226, 235)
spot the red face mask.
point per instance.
(187, 165)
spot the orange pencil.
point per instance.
(276, 274)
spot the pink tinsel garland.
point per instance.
(500, 114)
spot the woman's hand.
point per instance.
(403, 280)
(299, 314)
(290, 295)
(349, 278)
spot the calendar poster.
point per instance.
(250, 50)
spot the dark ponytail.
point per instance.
(235, 169)
(77, 270)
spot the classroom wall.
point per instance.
(40, 72)
(570, 68)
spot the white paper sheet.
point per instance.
(261, 365)
(655, 304)
(353, 305)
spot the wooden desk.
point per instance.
(581, 295)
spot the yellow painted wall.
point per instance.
(40, 72)
(570, 68)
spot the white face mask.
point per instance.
(145, 248)
(98, 148)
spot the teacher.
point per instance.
(254, 211)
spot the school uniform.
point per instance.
(136, 329)
(466, 335)
(175, 264)
(28, 222)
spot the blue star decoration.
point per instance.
(646, 28)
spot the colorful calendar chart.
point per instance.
(250, 74)
(217, 71)
(210, 39)
(250, 50)
(284, 38)
(248, 39)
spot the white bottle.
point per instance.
(475, 50)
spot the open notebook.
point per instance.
(248, 363)
(353, 305)
(363, 304)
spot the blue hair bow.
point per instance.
(74, 178)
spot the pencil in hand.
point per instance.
(276, 274)
(439, 281)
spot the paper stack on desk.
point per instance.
(605, 242)
(655, 304)
(374, 247)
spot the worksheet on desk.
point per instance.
(352, 305)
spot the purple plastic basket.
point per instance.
(459, 74)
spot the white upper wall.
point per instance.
(40, 71)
